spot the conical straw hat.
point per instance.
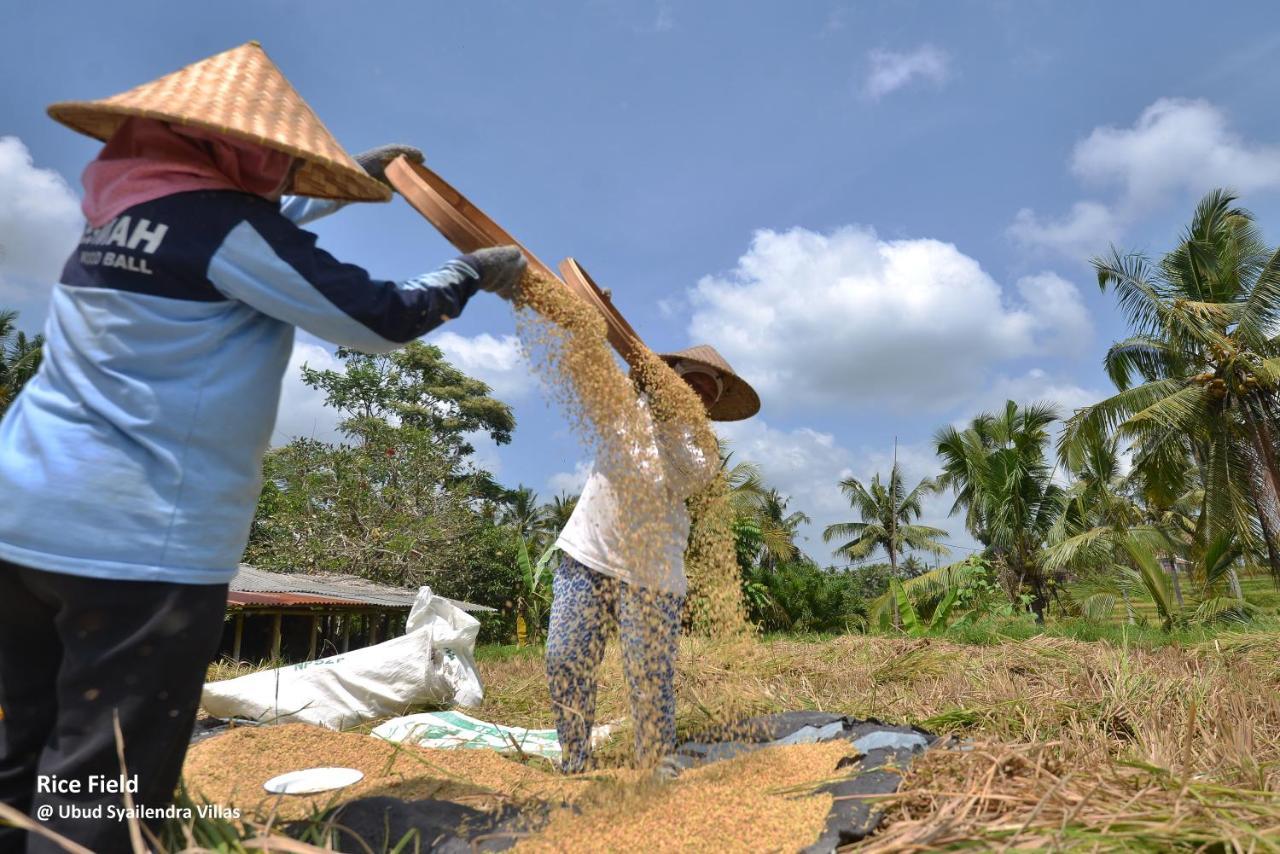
(738, 401)
(240, 93)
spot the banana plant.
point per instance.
(927, 602)
(533, 603)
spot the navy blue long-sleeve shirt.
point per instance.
(135, 453)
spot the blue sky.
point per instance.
(880, 212)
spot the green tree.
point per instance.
(413, 387)
(800, 596)
(778, 528)
(19, 358)
(523, 513)
(1001, 476)
(758, 536)
(399, 501)
(1102, 525)
(887, 520)
(1199, 376)
(558, 511)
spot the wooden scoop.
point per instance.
(469, 228)
(623, 338)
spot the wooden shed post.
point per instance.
(315, 631)
(275, 636)
(346, 632)
(374, 621)
(235, 646)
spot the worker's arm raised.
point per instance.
(276, 267)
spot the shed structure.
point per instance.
(294, 617)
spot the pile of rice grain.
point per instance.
(761, 801)
(229, 769)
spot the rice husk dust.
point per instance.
(565, 342)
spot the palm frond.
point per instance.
(1098, 607)
(1223, 609)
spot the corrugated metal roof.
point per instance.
(289, 600)
(285, 589)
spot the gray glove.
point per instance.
(375, 160)
(500, 269)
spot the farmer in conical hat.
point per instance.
(132, 460)
(597, 585)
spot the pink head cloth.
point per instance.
(146, 159)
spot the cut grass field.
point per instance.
(1082, 745)
(1082, 736)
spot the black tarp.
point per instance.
(886, 751)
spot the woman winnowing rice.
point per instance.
(596, 584)
(133, 458)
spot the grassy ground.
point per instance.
(1077, 744)
(1083, 736)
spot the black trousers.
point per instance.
(74, 653)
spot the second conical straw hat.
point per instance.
(738, 401)
(242, 94)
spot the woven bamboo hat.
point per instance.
(242, 94)
(738, 400)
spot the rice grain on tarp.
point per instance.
(760, 801)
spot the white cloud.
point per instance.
(665, 20)
(302, 413)
(1034, 386)
(1177, 149)
(671, 307)
(40, 222)
(1062, 323)
(570, 482)
(890, 70)
(1174, 145)
(846, 319)
(1086, 231)
(496, 361)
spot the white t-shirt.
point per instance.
(596, 535)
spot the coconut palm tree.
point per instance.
(887, 514)
(524, 514)
(557, 512)
(19, 358)
(1102, 526)
(778, 528)
(1200, 376)
(1001, 476)
(746, 484)
(759, 534)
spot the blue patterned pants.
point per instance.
(586, 603)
